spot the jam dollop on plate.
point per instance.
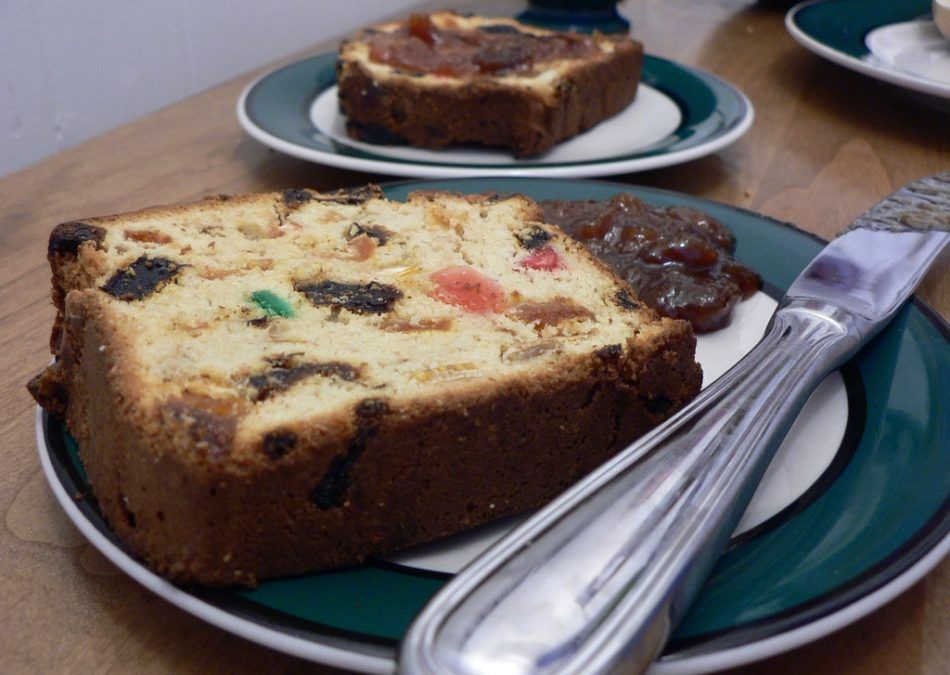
(679, 260)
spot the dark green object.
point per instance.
(272, 304)
(843, 24)
(580, 16)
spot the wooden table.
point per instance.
(826, 144)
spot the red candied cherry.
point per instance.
(467, 288)
(545, 259)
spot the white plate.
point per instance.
(914, 47)
(679, 114)
(887, 40)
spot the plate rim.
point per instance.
(587, 169)
(363, 660)
(889, 75)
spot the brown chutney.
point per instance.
(678, 259)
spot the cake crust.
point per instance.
(189, 489)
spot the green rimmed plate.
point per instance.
(680, 114)
(871, 521)
(894, 42)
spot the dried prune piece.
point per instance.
(294, 197)
(66, 238)
(610, 352)
(285, 374)
(533, 237)
(499, 28)
(279, 443)
(659, 405)
(371, 409)
(374, 133)
(212, 431)
(626, 300)
(331, 489)
(351, 196)
(377, 232)
(371, 298)
(141, 278)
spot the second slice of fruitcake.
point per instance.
(277, 383)
(445, 79)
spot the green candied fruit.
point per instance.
(272, 304)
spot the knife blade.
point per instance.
(597, 580)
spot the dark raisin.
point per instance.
(351, 196)
(500, 28)
(126, 511)
(284, 375)
(331, 489)
(279, 443)
(259, 322)
(210, 431)
(626, 300)
(377, 232)
(371, 409)
(533, 237)
(66, 238)
(141, 278)
(610, 352)
(371, 298)
(294, 198)
(660, 405)
(374, 133)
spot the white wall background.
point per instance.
(70, 70)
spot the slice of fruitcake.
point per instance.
(277, 383)
(444, 78)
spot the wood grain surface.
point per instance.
(826, 144)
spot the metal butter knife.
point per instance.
(596, 581)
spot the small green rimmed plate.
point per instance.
(895, 42)
(679, 114)
(872, 519)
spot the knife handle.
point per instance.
(597, 579)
